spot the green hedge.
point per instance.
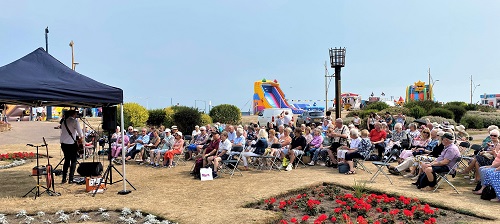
(426, 104)
(439, 120)
(458, 111)
(226, 113)
(442, 112)
(185, 118)
(377, 106)
(417, 111)
(206, 119)
(156, 117)
(479, 119)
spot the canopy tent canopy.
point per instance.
(38, 79)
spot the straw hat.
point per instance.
(460, 128)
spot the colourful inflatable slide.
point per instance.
(419, 91)
(268, 94)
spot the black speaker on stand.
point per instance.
(109, 122)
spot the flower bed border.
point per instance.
(369, 190)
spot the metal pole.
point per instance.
(326, 88)
(471, 89)
(124, 191)
(49, 108)
(337, 91)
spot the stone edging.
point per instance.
(13, 164)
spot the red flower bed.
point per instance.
(331, 204)
(17, 155)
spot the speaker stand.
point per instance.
(108, 174)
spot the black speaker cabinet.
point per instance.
(89, 169)
(109, 118)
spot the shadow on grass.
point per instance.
(18, 183)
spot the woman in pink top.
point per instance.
(175, 150)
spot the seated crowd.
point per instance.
(420, 151)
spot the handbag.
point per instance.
(488, 193)
(206, 174)
(343, 168)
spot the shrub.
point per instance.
(471, 107)
(487, 118)
(417, 112)
(156, 117)
(363, 114)
(456, 103)
(185, 118)
(169, 117)
(396, 110)
(442, 112)
(226, 114)
(377, 106)
(134, 115)
(458, 111)
(485, 108)
(426, 104)
(472, 121)
(206, 119)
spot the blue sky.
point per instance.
(187, 52)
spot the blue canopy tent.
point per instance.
(38, 79)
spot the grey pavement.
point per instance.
(30, 132)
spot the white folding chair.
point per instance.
(230, 165)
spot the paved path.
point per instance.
(30, 132)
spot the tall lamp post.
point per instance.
(472, 90)
(337, 61)
(205, 102)
(49, 108)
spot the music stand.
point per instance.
(36, 189)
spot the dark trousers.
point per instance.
(70, 152)
(380, 149)
(132, 153)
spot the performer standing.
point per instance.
(69, 128)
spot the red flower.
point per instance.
(293, 220)
(266, 201)
(378, 210)
(333, 219)
(407, 213)
(394, 212)
(376, 222)
(348, 208)
(337, 210)
(273, 200)
(299, 196)
(322, 217)
(305, 218)
(432, 220)
(283, 221)
(361, 220)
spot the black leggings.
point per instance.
(70, 152)
(354, 155)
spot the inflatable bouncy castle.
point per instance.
(419, 91)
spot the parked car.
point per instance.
(309, 117)
(270, 115)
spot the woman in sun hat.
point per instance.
(461, 134)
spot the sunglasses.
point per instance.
(426, 132)
(494, 135)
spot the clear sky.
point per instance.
(187, 52)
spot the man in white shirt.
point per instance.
(69, 128)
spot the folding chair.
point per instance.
(465, 148)
(444, 176)
(231, 164)
(358, 163)
(179, 158)
(299, 161)
(380, 166)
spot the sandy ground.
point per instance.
(173, 194)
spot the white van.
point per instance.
(270, 115)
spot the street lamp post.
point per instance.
(431, 84)
(337, 61)
(472, 90)
(205, 103)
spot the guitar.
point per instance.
(50, 174)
